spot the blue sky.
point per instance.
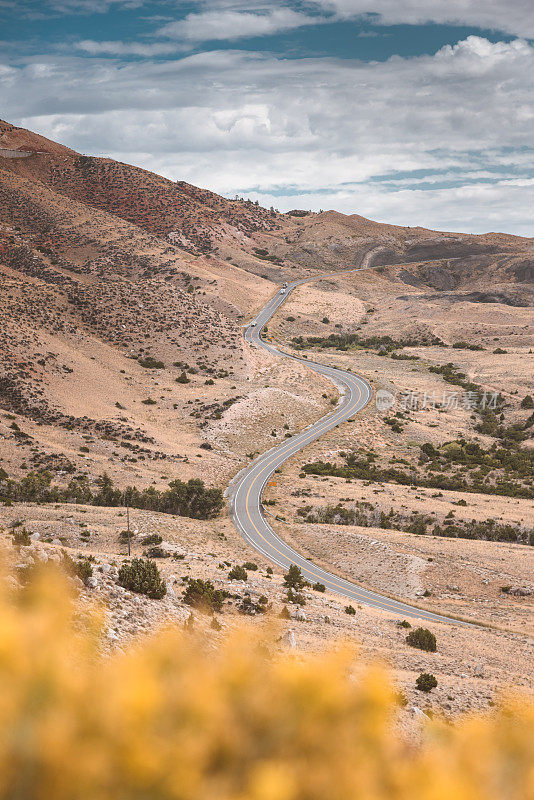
(414, 112)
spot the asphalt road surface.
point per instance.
(245, 491)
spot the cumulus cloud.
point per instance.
(334, 133)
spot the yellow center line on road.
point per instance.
(331, 583)
(327, 424)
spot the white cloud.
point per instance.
(230, 24)
(316, 129)
(477, 208)
(46, 8)
(511, 16)
(118, 48)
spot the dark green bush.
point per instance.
(319, 587)
(293, 578)
(423, 639)
(155, 551)
(84, 570)
(21, 537)
(250, 565)
(250, 607)
(426, 682)
(238, 573)
(143, 576)
(350, 610)
(148, 362)
(152, 538)
(191, 499)
(295, 597)
(203, 595)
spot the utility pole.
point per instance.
(127, 521)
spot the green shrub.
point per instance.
(295, 597)
(183, 378)
(284, 614)
(250, 565)
(426, 682)
(250, 607)
(191, 499)
(404, 624)
(155, 551)
(203, 595)
(84, 570)
(148, 362)
(143, 576)
(527, 402)
(423, 639)
(21, 537)
(238, 573)
(152, 538)
(319, 587)
(350, 610)
(293, 578)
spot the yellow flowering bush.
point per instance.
(177, 719)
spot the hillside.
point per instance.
(122, 301)
(104, 263)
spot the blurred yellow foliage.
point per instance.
(174, 718)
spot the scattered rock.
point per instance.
(289, 639)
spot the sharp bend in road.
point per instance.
(246, 490)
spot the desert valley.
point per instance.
(125, 380)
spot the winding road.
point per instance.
(246, 490)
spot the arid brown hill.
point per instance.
(108, 271)
(200, 221)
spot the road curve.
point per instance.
(246, 490)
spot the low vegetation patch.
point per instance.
(365, 515)
(238, 573)
(457, 466)
(422, 639)
(149, 362)
(426, 682)
(351, 341)
(293, 579)
(203, 595)
(143, 576)
(191, 499)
